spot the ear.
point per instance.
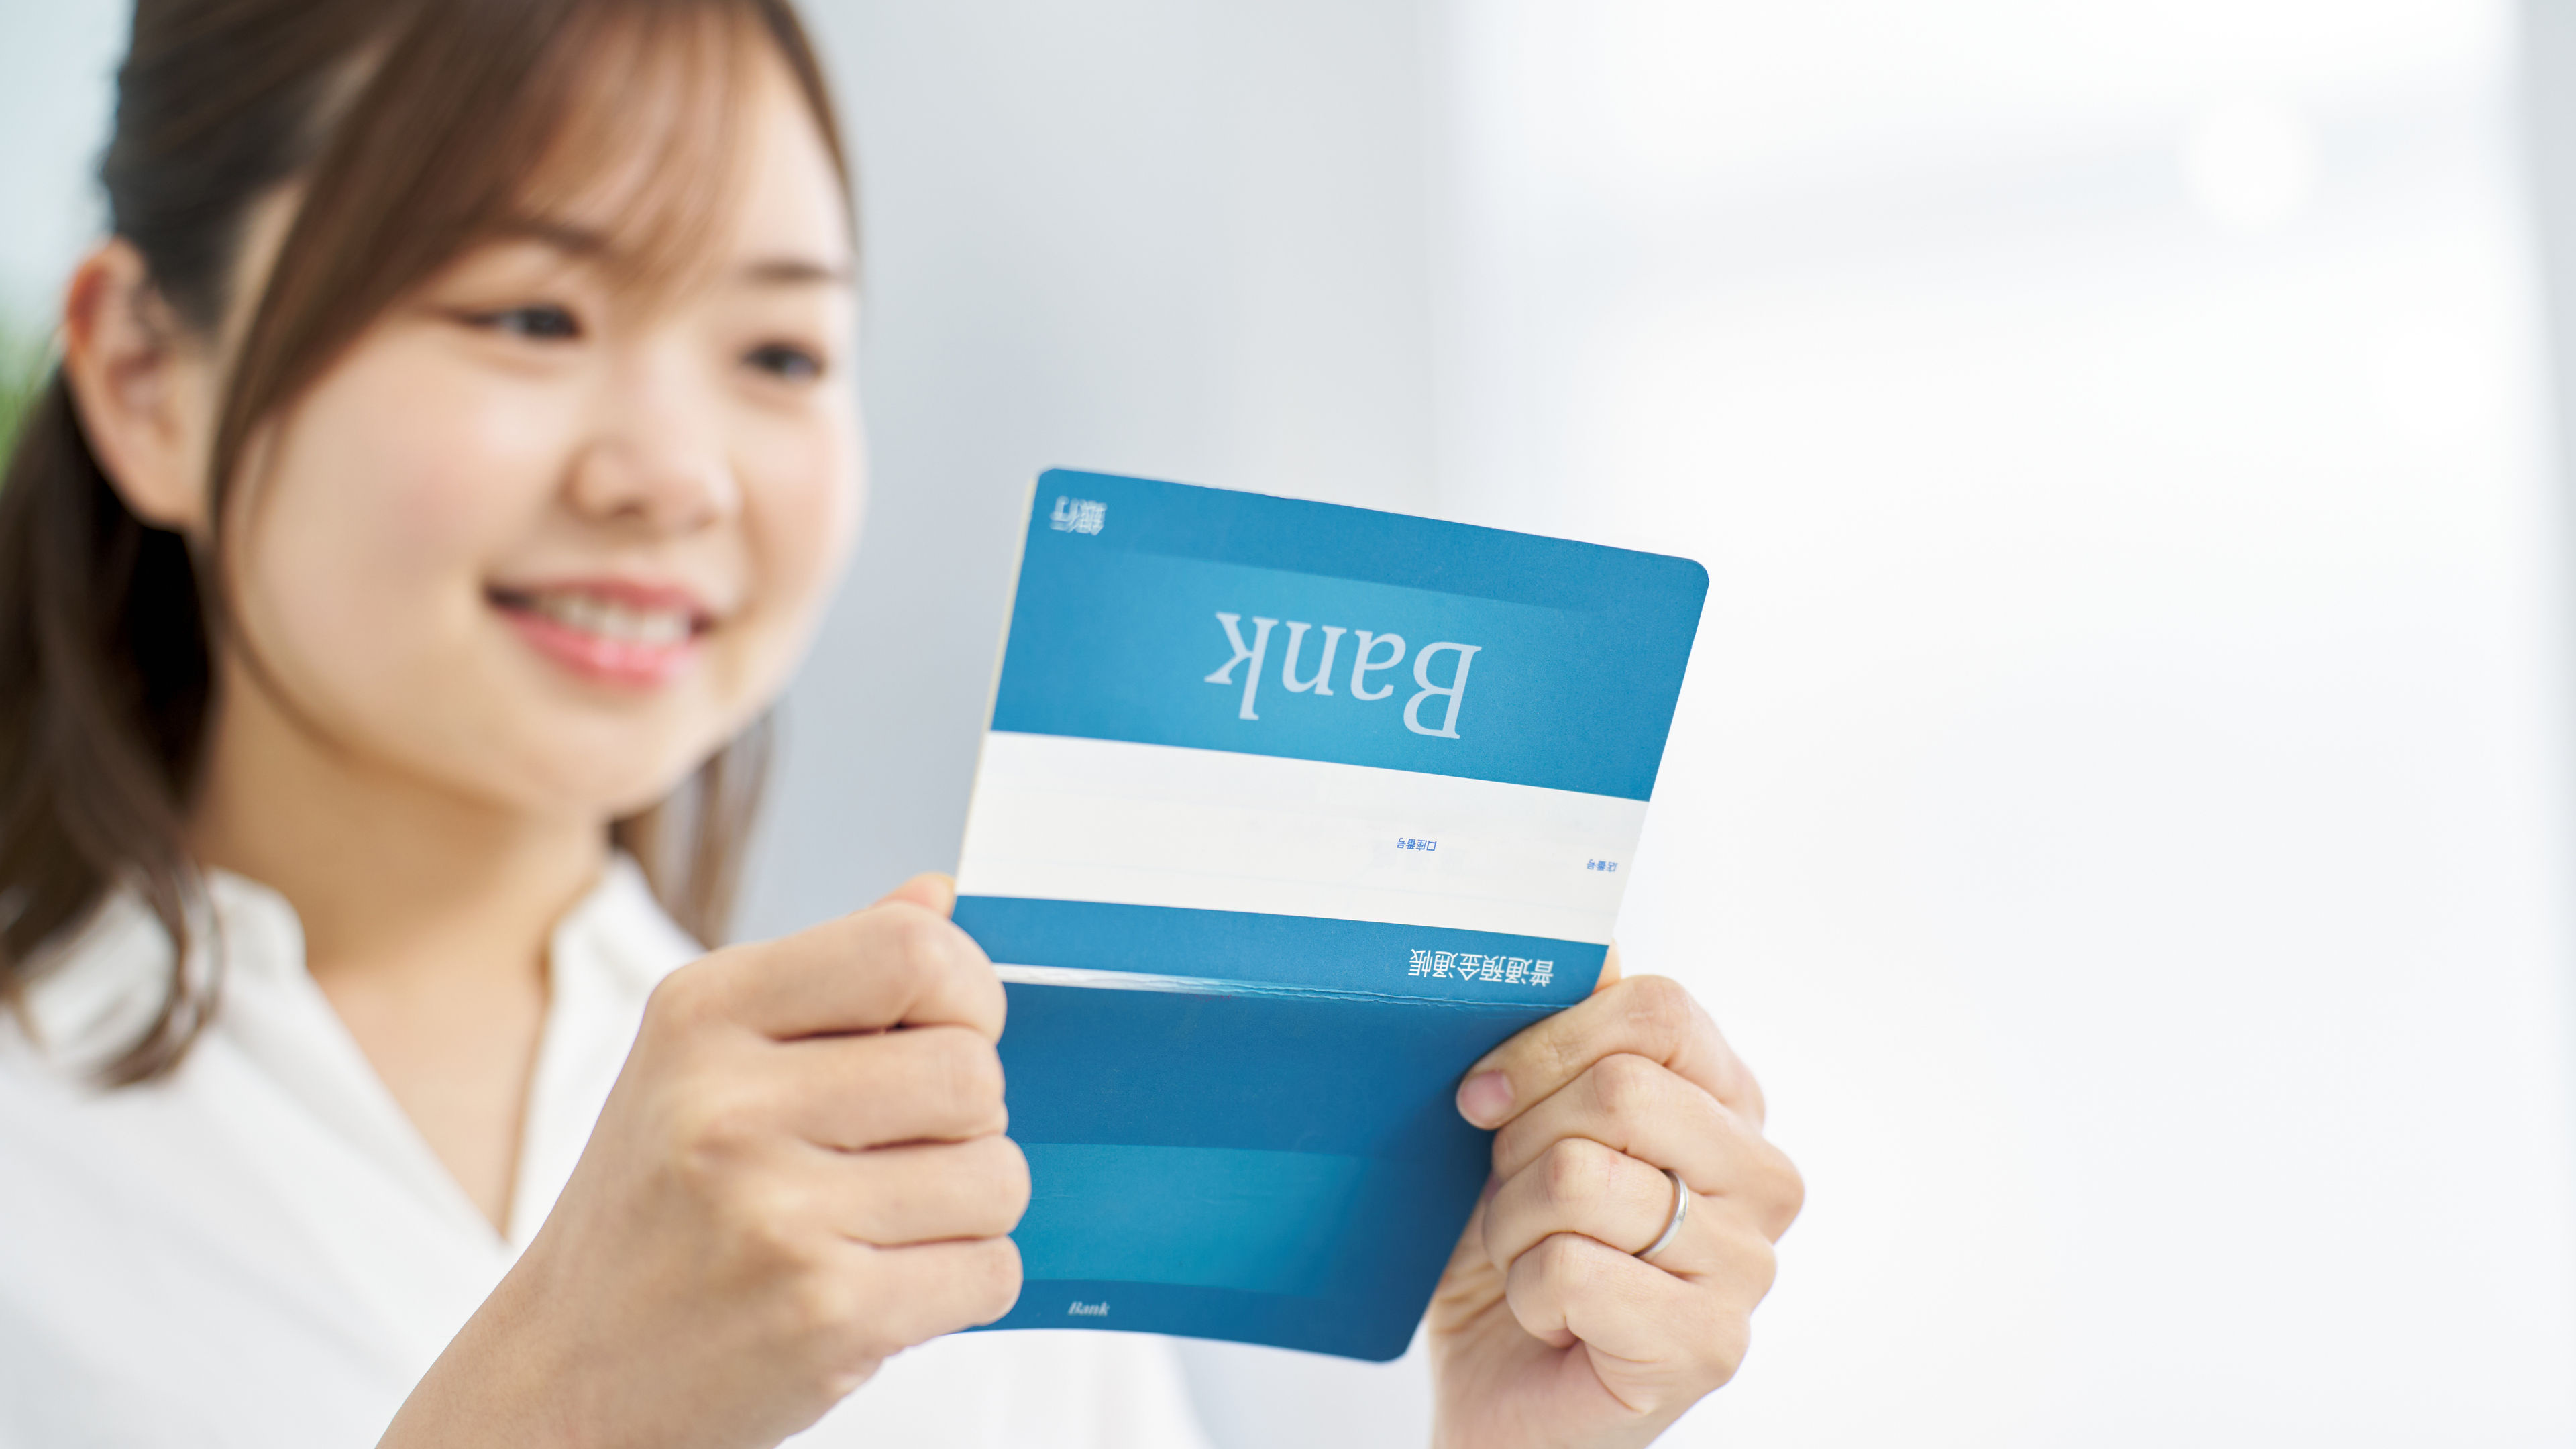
(144, 387)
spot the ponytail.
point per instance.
(104, 673)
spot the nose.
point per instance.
(657, 457)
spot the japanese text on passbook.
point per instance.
(1463, 966)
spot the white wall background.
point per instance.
(2118, 803)
(57, 93)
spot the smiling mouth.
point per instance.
(621, 634)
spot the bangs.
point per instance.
(617, 125)
(639, 121)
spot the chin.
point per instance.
(605, 782)
(650, 790)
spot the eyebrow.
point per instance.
(794, 272)
(771, 271)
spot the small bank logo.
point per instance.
(1077, 515)
(1081, 1309)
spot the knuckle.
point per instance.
(992, 1278)
(1573, 1174)
(824, 1306)
(1670, 1394)
(966, 1074)
(1754, 1107)
(865, 1333)
(850, 1372)
(698, 1171)
(1011, 1176)
(717, 1121)
(1759, 1262)
(1559, 1261)
(916, 940)
(684, 1000)
(764, 1216)
(1556, 1055)
(1661, 1006)
(1625, 1085)
(1790, 1198)
(1720, 1345)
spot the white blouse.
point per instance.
(261, 1250)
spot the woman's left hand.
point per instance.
(1546, 1328)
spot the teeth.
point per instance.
(612, 620)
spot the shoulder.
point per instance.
(96, 987)
(96, 990)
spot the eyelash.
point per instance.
(786, 363)
(545, 322)
(537, 322)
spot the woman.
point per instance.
(448, 460)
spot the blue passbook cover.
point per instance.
(1288, 813)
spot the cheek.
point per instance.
(803, 491)
(364, 544)
(438, 463)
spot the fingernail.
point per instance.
(1485, 1098)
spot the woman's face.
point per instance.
(549, 540)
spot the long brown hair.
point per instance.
(415, 129)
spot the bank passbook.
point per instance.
(1287, 814)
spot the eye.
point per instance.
(538, 322)
(780, 360)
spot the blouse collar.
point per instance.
(98, 991)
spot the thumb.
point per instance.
(929, 890)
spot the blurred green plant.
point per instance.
(22, 371)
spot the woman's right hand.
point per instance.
(800, 1172)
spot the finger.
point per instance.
(915, 1294)
(918, 1084)
(1654, 1114)
(1650, 1016)
(899, 963)
(1610, 972)
(930, 890)
(1578, 1186)
(932, 1193)
(1652, 1335)
(1609, 1197)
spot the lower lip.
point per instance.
(610, 661)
